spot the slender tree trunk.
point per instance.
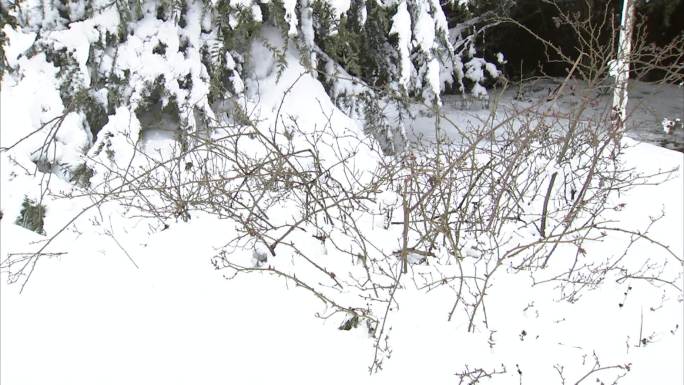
(620, 95)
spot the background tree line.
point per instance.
(660, 21)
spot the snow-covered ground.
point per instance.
(130, 304)
(649, 105)
(92, 317)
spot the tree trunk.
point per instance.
(620, 94)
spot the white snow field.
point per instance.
(91, 317)
(130, 303)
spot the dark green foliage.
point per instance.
(156, 92)
(235, 41)
(115, 88)
(213, 58)
(175, 10)
(96, 115)
(380, 55)
(63, 9)
(661, 18)
(274, 14)
(68, 72)
(456, 13)
(161, 12)
(105, 145)
(81, 175)
(159, 49)
(129, 11)
(376, 123)
(153, 113)
(186, 82)
(183, 45)
(31, 216)
(361, 49)
(5, 19)
(240, 37)
(182, 22)
(74, 96)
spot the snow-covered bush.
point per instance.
(369, 54)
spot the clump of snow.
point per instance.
(401, 25)
(670, 125)
(500, 58)
(424, 29)
(307, 28)
(291, 16)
